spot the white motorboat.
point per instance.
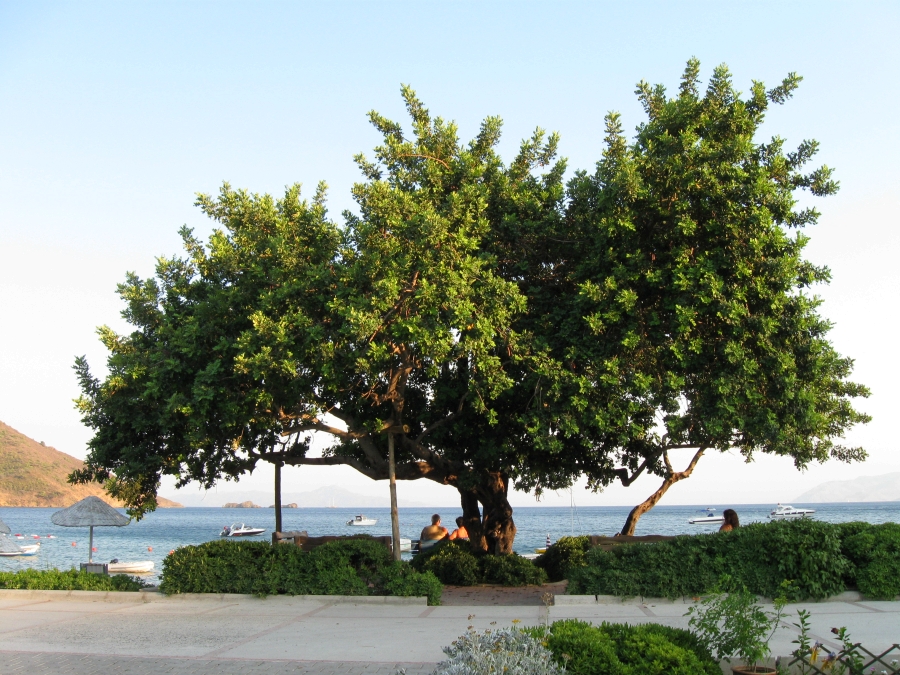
(788, 511)
(241, 530)
(709, 518)
(139, 567)
(361, 521)
(19, 551)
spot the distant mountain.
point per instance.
(33, 474)
(884, 488)
(322, 497)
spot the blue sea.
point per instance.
(166, 529)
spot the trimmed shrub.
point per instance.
(621, 649)
(761, 556)
(68, 580)
(874, 560)
(583, 649)
(454, 563)
(510, 570)
(401, 580)
(350, 567)
(451, 562)
(566, 554)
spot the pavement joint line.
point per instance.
(426, 613)
(870, 609)
(646, 610)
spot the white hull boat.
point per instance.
(361, 521)
(783, 511)
(31, 549)
(709, 518)
(138, 567)
(241, 530)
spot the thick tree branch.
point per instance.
(441, 422)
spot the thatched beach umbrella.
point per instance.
(7, 545)
(89, 512)
(4, 528)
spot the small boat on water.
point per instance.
(138, 567)
(788, 511)
(709, 518)
(241, 530)
(10, 549)
(361, 521)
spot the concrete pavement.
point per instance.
(54, 632)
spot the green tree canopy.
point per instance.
(504, 328)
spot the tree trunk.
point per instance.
(472, 519)
(278, 497)
(652, 500)
(491, 529)
(497, 524)
(395, 513)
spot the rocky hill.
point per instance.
(883, 488)
(32, 474)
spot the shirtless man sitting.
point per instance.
(435, 531)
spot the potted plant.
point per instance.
(732, 623)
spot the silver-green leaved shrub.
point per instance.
(505, 650)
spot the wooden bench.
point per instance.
(608, 543)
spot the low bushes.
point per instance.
(68, 580)
(819, 559)
(358, 566)
(873, 555)
(565, 555)
(621, 649)
(454, 563)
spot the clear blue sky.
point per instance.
(112, 115)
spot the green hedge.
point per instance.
(454, 563)
(621, 649)
(565, 555)
(819, 559)
(68, 580)
(350, 567)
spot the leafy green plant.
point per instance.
(730, 622)
(451, 562)
(567, 553)
(402, 580)
(621, 649)
(510, 570)
(69, 580)
(348, 567)
(874, 557)
(847, 661)
(761, 556)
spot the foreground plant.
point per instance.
(733, 624)
(493, 652)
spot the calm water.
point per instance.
(166, 529)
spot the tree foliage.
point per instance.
(506, 327)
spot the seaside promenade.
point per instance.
(55, 632)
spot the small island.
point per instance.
(241, 505)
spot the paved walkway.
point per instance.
(45, 633)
